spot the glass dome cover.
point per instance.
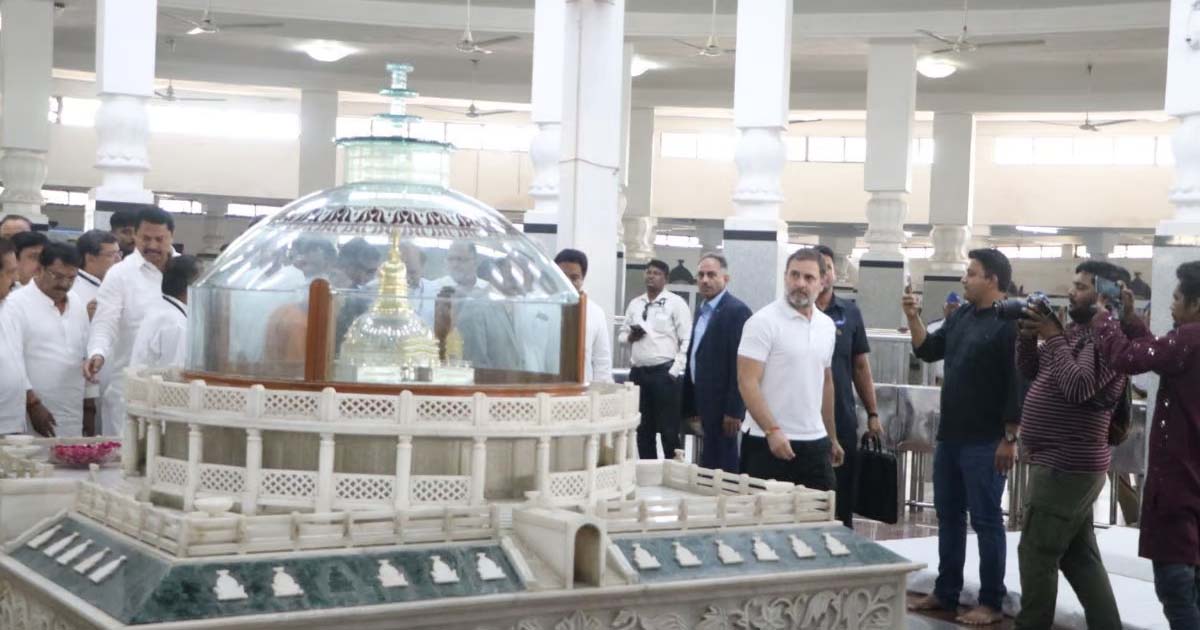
(463, 298)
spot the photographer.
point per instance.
(1064, 438)
(1170, 522)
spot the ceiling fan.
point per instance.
(206, 25)
(710, 48)
(472, 111)
(169, 95)
(467, 44)
(1087, 124)
(964, 44)
(800, 121)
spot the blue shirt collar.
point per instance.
(716, 301)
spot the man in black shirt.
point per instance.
(851, 371)
(976, 440)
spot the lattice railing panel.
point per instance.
(289, 483)
(571, 410)
(565, 485)
(225, 399)
(170, 472)
(513, 410)
(359, 407)
(440, 489)
(610, 405)
(295, 404)
(223, 479)
(173, 395)
(375, 488)
(608, 478)
(136, 389)
(444, 410)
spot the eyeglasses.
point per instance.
(59, 277)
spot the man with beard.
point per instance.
(977, 435)
(123, 225)
(1064, 435)
(784, 372)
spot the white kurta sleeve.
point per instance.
(13, 334)
(601, 354)
(683, 332)
(110, 305)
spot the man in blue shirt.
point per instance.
(711, 400)
(851, 371)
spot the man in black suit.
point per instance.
(711, 400)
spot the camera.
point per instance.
(1014, 308)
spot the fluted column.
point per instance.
(591, 460)
(125, 53)
(478, 470)
(887, 177)
(26, 50)
(403, 472)
(318, 153)
(546, 98)
(153, 435)
(325, 454)
(951, 207)
(755, 236)
(194, 453)
(254, 448)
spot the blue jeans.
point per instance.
(1178, 588)
(965, 480)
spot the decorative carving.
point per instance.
(684, 556)
(429, 222)
(441, 572)
(644, 559)
(727, 554)
(760, 157)
(949, 249)
(800, 548)
(24, 172)
(763, 552)
(639, 238)
(863, 608)
(19, 611)
(43, 537)
(836, 547)
(284, 585)
(487, 568)
(544, 153)
(227, 587)
(632, 620)
(579, 620)
(885, 222)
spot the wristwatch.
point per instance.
(1010, 437)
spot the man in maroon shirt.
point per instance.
(1170, 535)
(1064, 439)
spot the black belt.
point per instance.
(662, 367)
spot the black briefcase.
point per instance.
(876, 472)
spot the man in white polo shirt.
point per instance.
(784, 376)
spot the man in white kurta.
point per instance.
(597, 364)
(49, 331)
(12, 366)
(125, 296)
(162, 340)
(98, 252)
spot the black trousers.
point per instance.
(811, 468)
(661, 401)
(847, 480)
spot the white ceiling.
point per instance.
(1124, 38)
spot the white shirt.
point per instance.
(12, 378)
(162, 341)
(597, 363)
(52, 344)
(423, 298)
(939, 367)
(85, 288)
(128, 291)
(668, 326)
(795, 352)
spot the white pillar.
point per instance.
(478, 470)
(254, 448)
(591, 142)
(891, 100)
(325, 473)
(622, 447)
(318, 127)
(951, 207)
(26, 51)
(129, 447)
(1100, 243)
(125, 48)
(591, 459)
(214, 217)
(546, 100)
(403, 471)
(195, 450)
(637, 226)
(755, 236)
(842, 247)
(542, 479)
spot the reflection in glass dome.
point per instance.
(390, 278)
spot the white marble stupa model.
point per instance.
(408, 458)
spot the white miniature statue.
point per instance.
(762, 551)
(727, 554)
(74, 552)
(836, 547)
(99, 575)
(801, 548)
(684, 556)
(227, 587)
(644, 559)
(56, 548)
(285, 585)
(442, 573)
(91, 561)
(487, 568)
(43, 537)
(390, 576)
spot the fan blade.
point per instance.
(197, 99)
(942, 51)
(448, 110)
(1015, 43)
(179, 18)
(160, 94)
(800, 121)
(497, 40)
(1059, 124)
(250, 25)
(1114, 122)
(494, 112)
(201, 30)
(688, 44)
(940, 38)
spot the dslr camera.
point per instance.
(1014, 308)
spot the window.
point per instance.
(352, 126)
(826, 149)
(1053, 150)
(1032, 251)
(1093, 149)
(249, 210)
(1132, 251)
(1013, 151)
(464, 136)
(797, 148)
(715, 146)
(181, 206)
(678, 145)
(1133, 150)
(922, 151)
(856, 149)
(64, 197)
(426, 130)
(676, 240)
(78, 112)
(1163, 156)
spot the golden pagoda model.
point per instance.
(389, 343)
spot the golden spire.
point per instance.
(393, 281)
